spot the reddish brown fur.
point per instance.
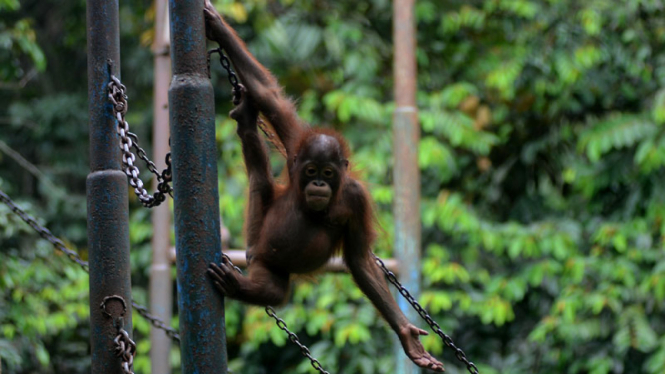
(309, 132)
(295, 229)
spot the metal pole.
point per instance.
(108, 227)
(406, 134)
(161, 298)
(198, 242)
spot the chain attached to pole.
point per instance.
(156, 322)
(128, 140)
(231, 75)
(173, 334)
(125, 348)
(235, 83)
(447, 340)
(74, 257)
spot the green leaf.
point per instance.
(615, 133)
(42, 355)
(658, 110)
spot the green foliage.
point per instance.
(542, 154)
(613, 134)
(40, 308)
(17, 39)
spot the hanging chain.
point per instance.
(233, 78)
(73, 256)
(235, 83)
(158, 323)
(294, 339)
(165, 177)
(173, 334)
(128, 140)
(43, 231)
(282, 325)
(125, 348)
(471, 367)
(447, 340)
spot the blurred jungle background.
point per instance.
(543, 179)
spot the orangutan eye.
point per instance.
(310, 171)
(328, 173)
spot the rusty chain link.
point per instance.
(125, 348)
(163, 178)
(73, 256)
(447, 340)
(117, 96)
(235, 83)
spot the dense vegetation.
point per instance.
(542, 160)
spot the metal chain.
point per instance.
(128, 141)
(73, 256)
(235, 83)
(173, 334)
(158, 323)
(43, 231)
(447, 340)
(233, 78)
(125, 348)
(165, 177)
(282, 325)
(294, 339)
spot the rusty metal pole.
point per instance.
(161, 285)
(406, 135)
(196, 204)
(108, 217)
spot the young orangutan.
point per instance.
(295, 229)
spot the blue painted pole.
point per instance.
(196, 200)
(108, 227)
(406, 135)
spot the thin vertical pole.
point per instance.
(108, 227)
(161, 298)
(406, 135)
(196, 204)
